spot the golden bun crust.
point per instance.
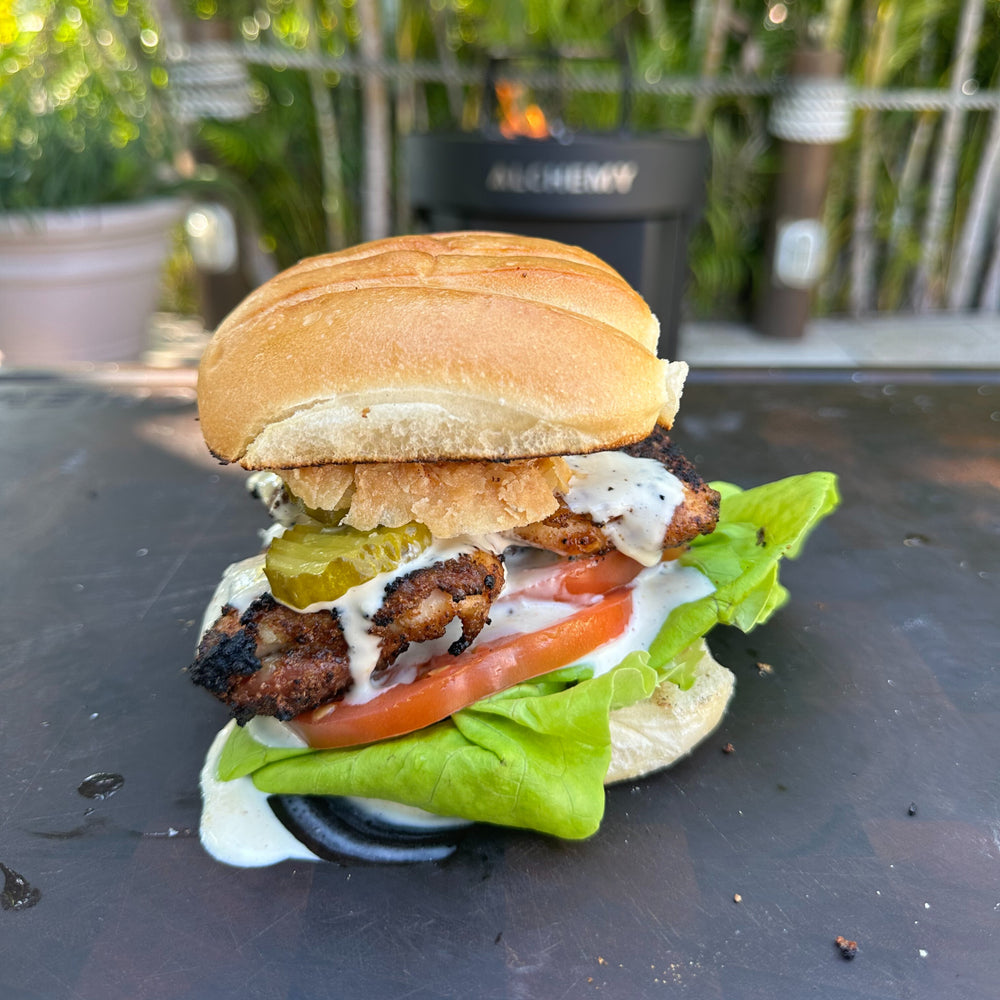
(426, 348)
(655, 733)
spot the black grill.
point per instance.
(630, 199)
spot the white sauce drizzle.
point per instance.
(244, 581)
(655, 593)
(270, 489)
(238, 826)
(241, 584)
(633, 499)
(269, 731)
(357, 607)
(399, 814)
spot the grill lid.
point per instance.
(588, 176)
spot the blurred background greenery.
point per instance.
(95, 75)
(83, 116)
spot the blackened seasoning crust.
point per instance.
(273, 660)
(659, 447)
(420, 605)
(699, 512)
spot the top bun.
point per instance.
(427, 348)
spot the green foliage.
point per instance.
(726, 246)
(275, 154)
(83, 117)
(921, 45)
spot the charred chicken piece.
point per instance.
(699, 512)
(573, 534)
(420, 606)
(272, 660)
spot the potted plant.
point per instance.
(86, 180)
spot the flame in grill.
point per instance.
(518, 115)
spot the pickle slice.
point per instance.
(310, 563)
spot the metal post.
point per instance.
(809, 117)
(209, 79)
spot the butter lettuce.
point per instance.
(535, 755)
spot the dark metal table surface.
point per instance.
(861, 798)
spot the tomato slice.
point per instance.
(569, 580)
(453, 682)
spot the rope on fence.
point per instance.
(580, 79)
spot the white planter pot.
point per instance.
(81, 284)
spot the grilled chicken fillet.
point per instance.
(576, 534)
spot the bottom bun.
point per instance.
(654, 733)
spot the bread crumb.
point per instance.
(737, 898)
(848, 949)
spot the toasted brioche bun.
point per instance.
(655, 733)
(428, 348)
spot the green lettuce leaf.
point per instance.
(535, 755)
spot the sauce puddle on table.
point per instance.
(102, 785)
(17, 893)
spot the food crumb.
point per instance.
(729, 748)
(848, 949)
(922, 952)
(764, 669)
(601, 961)
(737, 898)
